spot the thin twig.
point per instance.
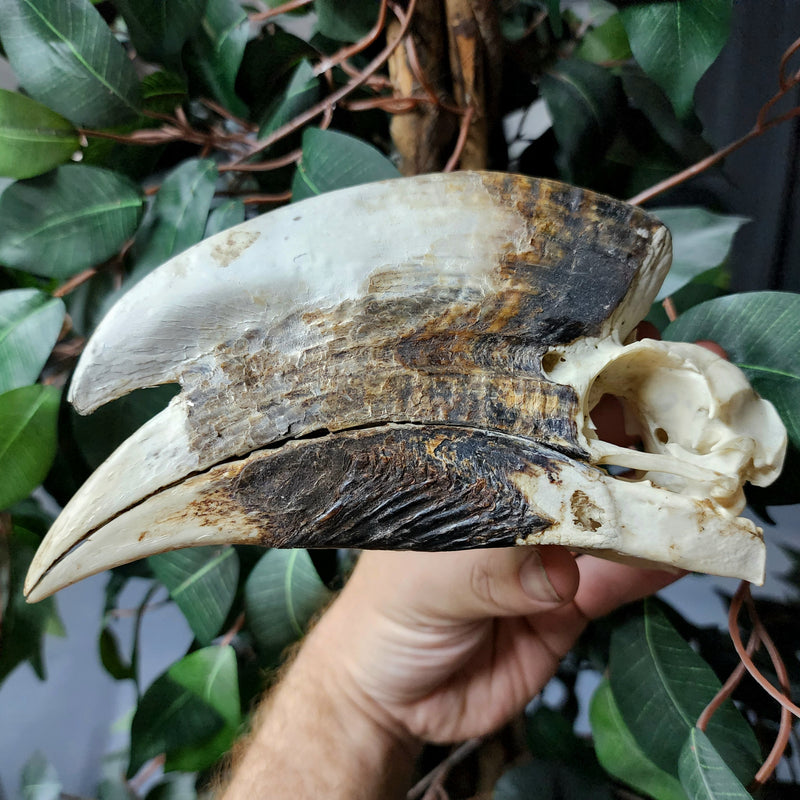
(263, 166)
(329, 102)
(761, 126)
(458, 755)
(256, 199)
(136, 783)
(669, 309)
(733, 615)
(785, 730)
(357, 47)
(728, 688)
(223, 112)
(230, 634)
(122, 613)
(262, 16)
(790, 51)
(463, 132)
(74, 282)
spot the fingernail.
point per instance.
(534, 580)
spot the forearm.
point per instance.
(314, 737)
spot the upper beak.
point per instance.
(364, 369)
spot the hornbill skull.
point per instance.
(412, 365)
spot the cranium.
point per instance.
(412, 364)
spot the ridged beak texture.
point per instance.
(406, 364)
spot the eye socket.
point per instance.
(612, 421)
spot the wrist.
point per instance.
(325, 658)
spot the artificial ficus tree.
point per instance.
(140, 128)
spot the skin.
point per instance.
(422, 647)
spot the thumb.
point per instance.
(454, 587)
(516, 582)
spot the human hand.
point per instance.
(446, 646)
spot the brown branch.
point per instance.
(782, 696)
(790, 51)
(437, 775)
(329, 102)
(230, 634)
(466, 121)
(74, 282)
(136, 784)
(762, 125)
(123, 613)
(223, 112)
(263, 166)
(728, 688)
(733, 615)
(362, 44)
(391, 104)
(669, 309)
(293, 5)
(257, 199)
(785, 729)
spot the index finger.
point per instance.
(606, 585)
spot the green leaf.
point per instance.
(547, 780)
(333, 160)
(215, 53)
(706, 286)
(28, 418)
(676, 42)
(554, 15)
(282, 593)
(211, 675)
(224, 216)
(100, 433)
(23, 624)
(159, 29)
(67, 220)
(644, 94)
(33, 139)
(191, 713)
(620, 754)
(301, 93)
(345, 22)
(606, 43)
(176, 219)
(701, 240)
(163, 91)
(169, 719)
(39, 779)
(111, 658)
(551, 737)
(268, 62)
(760, 332)
(661, 687)
(5, 568)
(30, 322)
(65, 56)
(202, 581)
(583, 100)
(704, 775)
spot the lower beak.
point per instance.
(402, 487)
